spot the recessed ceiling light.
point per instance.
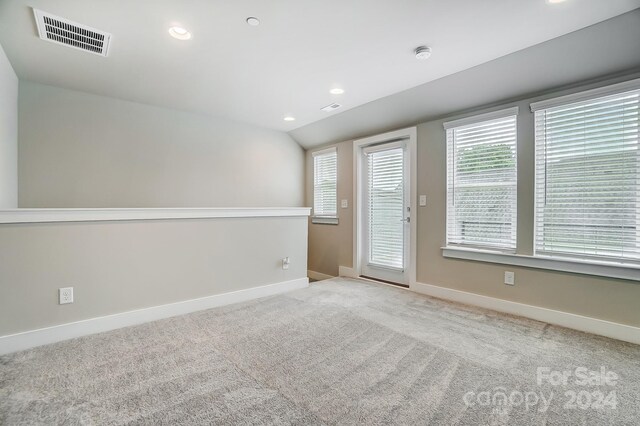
(336, 91)
(289, 118)
(555, 1)
(423, 52)
(253, 21)
(179, 33)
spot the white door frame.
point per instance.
(410, 135)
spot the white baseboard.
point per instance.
(318, 276)
(44, 336)
(600, 327)
(344, 271)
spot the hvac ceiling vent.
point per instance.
(62, 31)
(331, 107)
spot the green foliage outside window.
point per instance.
(482, 158)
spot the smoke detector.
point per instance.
(423, 52)
(71, 34)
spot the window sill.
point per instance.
(601, 269)
(324, 220)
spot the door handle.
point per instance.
(406, 220)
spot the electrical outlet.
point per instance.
(344, 204)
(285, 263)
(509, 278)
(423, 200)
(65, 295)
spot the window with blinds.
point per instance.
(386, 207)
(482, 181)
(325, 175)
(587, 178)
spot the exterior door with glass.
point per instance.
(386, 213)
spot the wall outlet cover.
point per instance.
(423, 200)
(509, 278)
(344, 204)
(65, 295)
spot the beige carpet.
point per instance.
(339, 352)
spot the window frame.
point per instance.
(577, 258)
(467, 121)
(326, 219)
(524, 254)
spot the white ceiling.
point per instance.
(609, 49)
(287, 64)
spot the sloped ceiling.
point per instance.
(610, 47)
(288, 63)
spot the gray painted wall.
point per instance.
(8, 134)
(83, 150)
(331, 246)
(121, 266)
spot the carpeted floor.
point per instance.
(339, 352)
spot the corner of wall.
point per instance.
(8, 134)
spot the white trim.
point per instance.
(330, 150)
(93, 215)
(410, 134)
(370, 149)
(344, 271)
(494, 115)
(601, 269)
(44, 336)
(318, 276)
(332, 216)
(587, 94)
(325, 220)
(413, 173)
(600, 327)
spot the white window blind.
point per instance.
(325, 175)
(482, 181)
(587, 179)
(386, 207)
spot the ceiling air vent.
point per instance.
(331, 107)
(62, 31)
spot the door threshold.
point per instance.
(378, 280)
